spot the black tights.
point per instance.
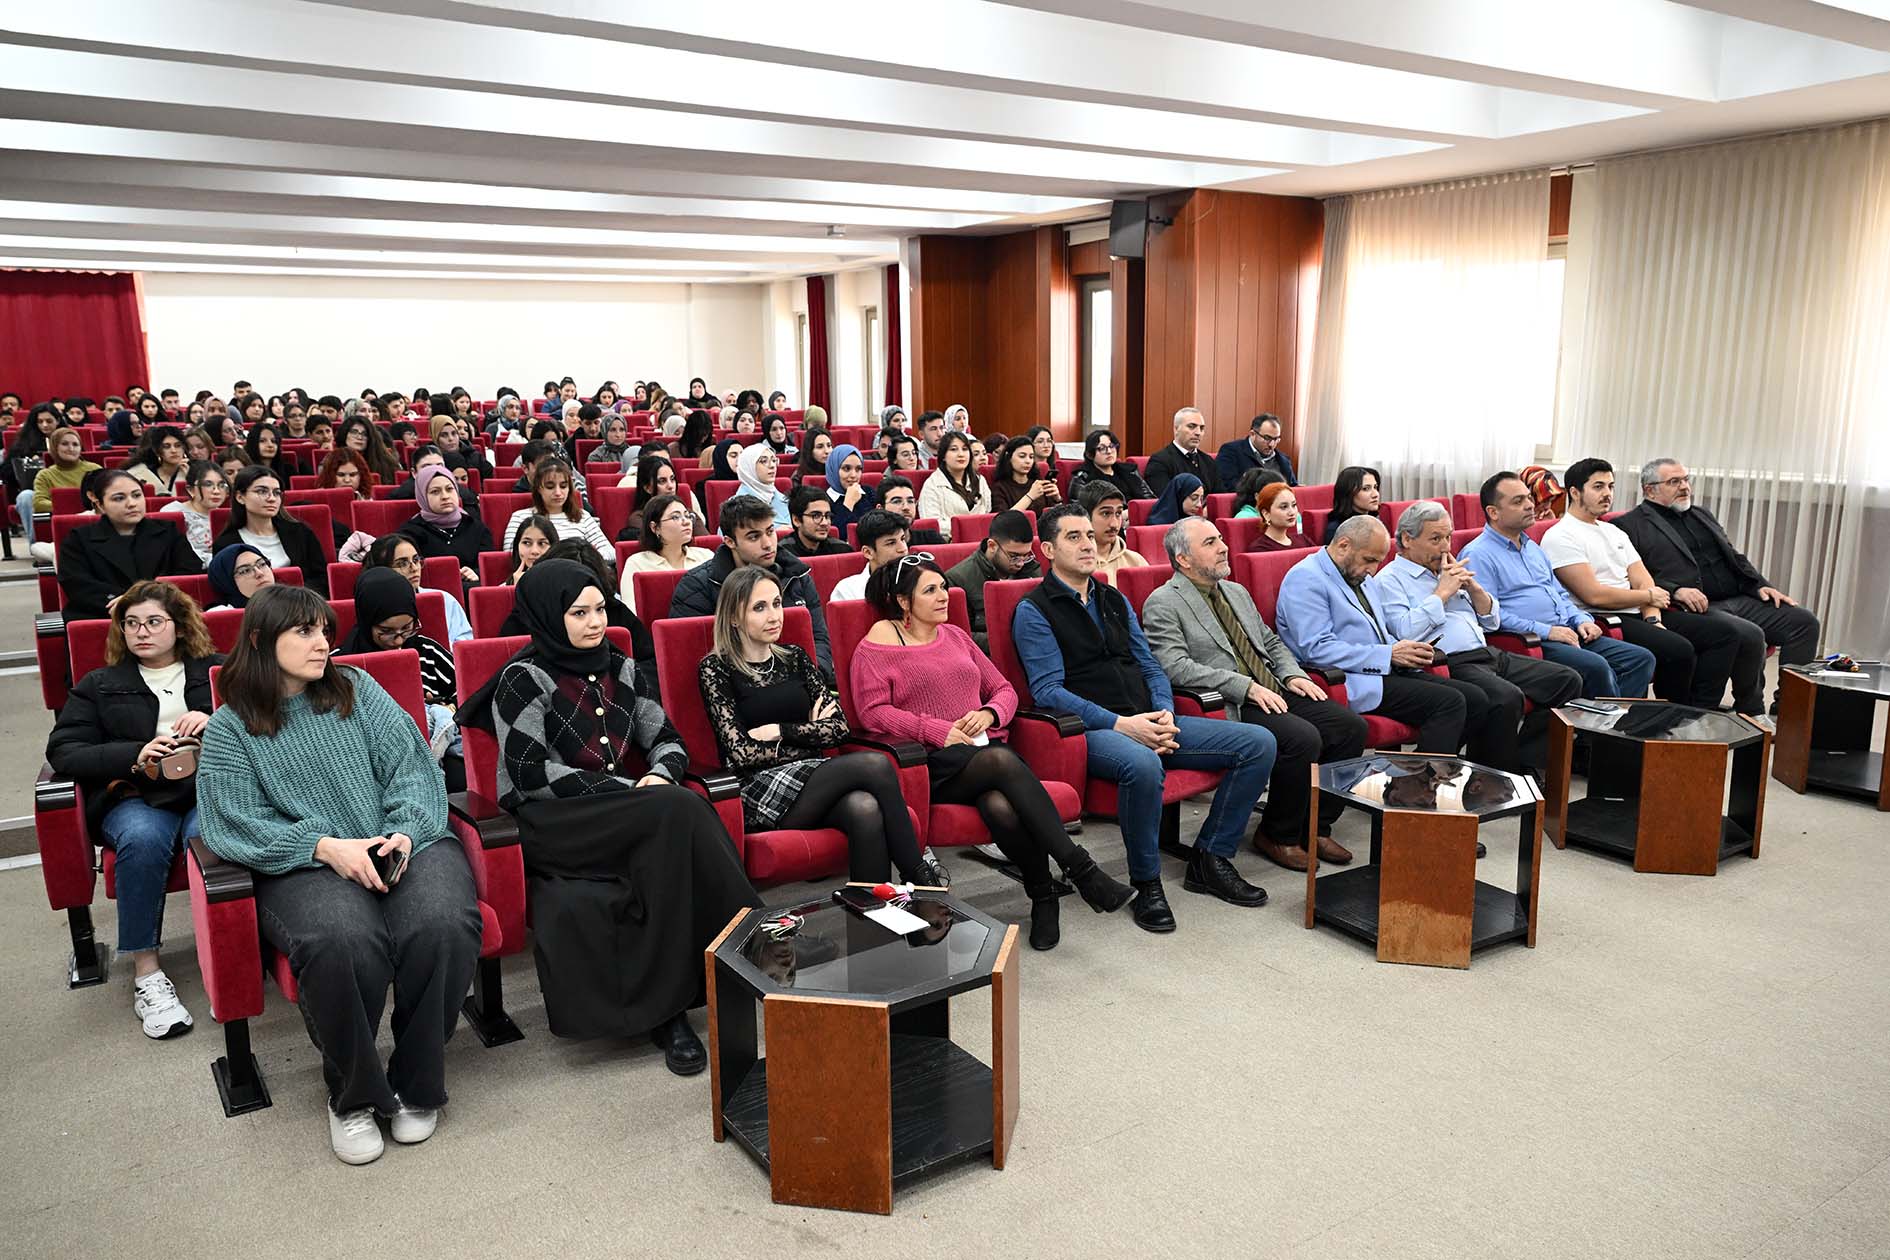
(859, 794)
(1022, 819)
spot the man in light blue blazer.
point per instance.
(1328, 615)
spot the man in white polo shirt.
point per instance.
(1598, 564)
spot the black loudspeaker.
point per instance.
(1128, 228)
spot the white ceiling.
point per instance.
(717, 142)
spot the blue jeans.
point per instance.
(146, 842)
(24, 503)
(1245, 752)
(1609, 667)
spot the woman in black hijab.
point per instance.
(387, 619)
(722, 463)
(629, 874)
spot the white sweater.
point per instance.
(938, 499)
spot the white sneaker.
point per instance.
(991, 853)
(355, 1136)
(414, 1124)
(155, 1003)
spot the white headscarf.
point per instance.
(745, 468)
(955, 413)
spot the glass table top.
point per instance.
(1650, 721)
(1871, 678)
(1417, 781)
(822, 947)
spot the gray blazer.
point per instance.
(1187, 639)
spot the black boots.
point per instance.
(1104, 895)
(1151, 910)
(682, 1049)
(1214, 875)
(1045, 931)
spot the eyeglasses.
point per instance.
(150, 625)
(257, 569)
(267, 492)
(397, 634)
(675, 518)
(409, 565)
(1674, 483)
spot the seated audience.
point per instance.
(958, 419)
(629, 874)
(1259, 449)
(398, 552)
(529, 545)
(1083, 651)
(1279, 508)
(207, 489)
(557, 497)
(1184, 455)
(1716, 590)
(159, 460)
(1103, 462)
(1008, 552)
(1207, 634)
(917, 677)
(1021, 480)
(755, 468)
(882, 537)
(902, 454)
(30, 451)
(1354, 493)
(696, 444)
(1330, 615)
(667, 528)
(1247, 490)
(1598, 565)
(816, 445)
(263, 447)
(257, 518)
(310, 773)
(443, 527)
(928, 429)
(237, 572)
(1183, 497)
(954, 488)
(748, 538)
(1108, 515)
(387, 619)
(65, 468)
(850, 499)
(1431, 596)
(1511, 565)
(774, 437)
(150, 700)
(775, 715)
(100, 560)
(656, 475)
(897, 497)
(360, 435)
(812, 514)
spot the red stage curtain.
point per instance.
(819, 385)
(895, 364)
(66, 334)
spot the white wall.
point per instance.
(852, 292)
(339, 334)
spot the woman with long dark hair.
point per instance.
(630, 875)
(815, 447)
(668, 525)
(360, 435)
(529, 545)
(918, 677)
(149, 701)
(954, 488)
(1103, 461)
(264, 448)
(556, 497)
(1021, 480)
(206, 490)
(257, 518)
(314, 778)
(159, 462)
(1355, 492)
(656, 475)
(99, 561)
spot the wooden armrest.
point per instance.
(1067, 723)
(222, 881)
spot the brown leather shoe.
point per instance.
(1332, 851)
(1293, 859)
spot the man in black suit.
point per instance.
(1183, 455)
(1259, 449)
(1715, 588)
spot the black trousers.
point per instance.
(1444, 710)
(1511, 740)
(1310, 730)
(1676, 664)
(1736, 631)
(346, 944)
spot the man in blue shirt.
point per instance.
(1083, 652)
(1428, 595)
(1514, 568)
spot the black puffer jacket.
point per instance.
(108, 717)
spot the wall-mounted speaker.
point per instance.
(1128, 228)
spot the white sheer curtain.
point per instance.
(1738, 319)
(1434, 354)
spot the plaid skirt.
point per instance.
(768, 793)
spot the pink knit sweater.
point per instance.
(912, 692)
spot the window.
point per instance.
(801, 357)
(873, 358)
(1094, 351)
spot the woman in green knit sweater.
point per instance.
(308, 772)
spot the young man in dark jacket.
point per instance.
(748, 537)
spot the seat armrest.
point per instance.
(715, 781)
(1206, 699)
(1332, 674)
(1519, 644)
(723, 791)
(223, 917)
(67, 856)
(1067, 723)
(55, 660)
(905, 753)
(495, 828)
(222, 881)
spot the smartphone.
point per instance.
(390, 865)
(1041, 472)
(860, 899)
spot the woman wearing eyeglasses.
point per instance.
(387, 619)
(1102, 461)
(397, 552)
(667, 528)
(257, 518)
(149, 701)
(236, 573)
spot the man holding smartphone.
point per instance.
(1430, 595)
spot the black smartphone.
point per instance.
(860, 899)
(390, 865)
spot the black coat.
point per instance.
(298, 540)
(108, 717)
(1168, 463)
(96, 565)
(1669, 557)
(463, 542)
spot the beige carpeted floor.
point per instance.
(1682, 1068)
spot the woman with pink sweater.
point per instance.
(917, 677)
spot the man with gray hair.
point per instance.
(1714, 587)
(1431, 595)
(1183, 455)
(1206, 633)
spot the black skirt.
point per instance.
(626, 890)
(947, 761)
